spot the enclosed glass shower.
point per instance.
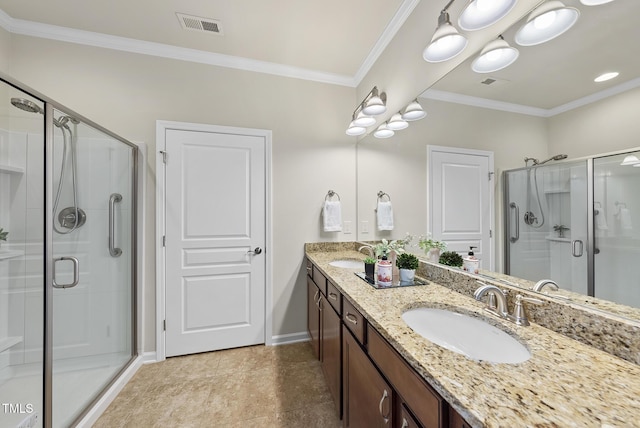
(67, 260)
(578, 223)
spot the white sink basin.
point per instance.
(348, 264)
(466, 335)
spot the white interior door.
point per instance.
(215, 232)
(461, 200)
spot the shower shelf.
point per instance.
(8, 342)
(557, 239)
(11, 169)
(5, 255)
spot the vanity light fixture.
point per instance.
(413, 111)
(446, 42)
(547, 22)
(383, 131)
(373, 104)
(496, 55)
(594, 2)
(480, 14)
(396, 123)
(606, 76)
(631, 160)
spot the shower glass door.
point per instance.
(92, 252)
(546, 218)
(616, 200)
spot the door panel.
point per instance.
(215, 218)
(461, 200)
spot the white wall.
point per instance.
(127, 93)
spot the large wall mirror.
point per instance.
(544, 104)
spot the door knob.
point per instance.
(255, 251)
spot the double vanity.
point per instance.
(432, 356)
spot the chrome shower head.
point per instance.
(554, 158)
(26, 105)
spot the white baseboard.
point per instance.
(98, 409)
(285, 339)
(149, 357)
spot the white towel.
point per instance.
(332, 216)
(625, 219)
(385, 215)
(601, 220)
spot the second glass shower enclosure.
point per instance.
(578, 223)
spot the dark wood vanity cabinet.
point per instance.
(367, 397)
(324, 304)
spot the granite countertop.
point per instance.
(565, 383)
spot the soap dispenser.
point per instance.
(471, 263)
(385, 272)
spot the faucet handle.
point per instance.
(519, 316)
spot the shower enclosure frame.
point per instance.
(49, 106)
(590, 244)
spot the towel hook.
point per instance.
(331, 194)
(382, 194)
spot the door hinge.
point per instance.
(164, 325)
(490, 175)
(164, 240)
(164, 156)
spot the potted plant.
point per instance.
(431, 247)
(451, 258)
(3, 234)
(407, 263)
(369, 267)
(560, 228)
(384, 247)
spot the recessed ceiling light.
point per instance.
(606, 76)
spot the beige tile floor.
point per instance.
(257, 386)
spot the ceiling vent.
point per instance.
(196, 23)
(494, 81)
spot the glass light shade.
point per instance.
(495, 56)
(374, 106)
(547, 22)
(355, 130)
(480, 14)
(383, 131)
(594, 2)
(606, 76)
(630, 160)
(363, 120)
(446, 42)
(397, 123)
(413, 111)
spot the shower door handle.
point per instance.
(575, 246)
(513, 239)
(115, 197)
(76, 272)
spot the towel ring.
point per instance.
(382, 194)
(331, 194)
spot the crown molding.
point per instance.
(124, 44)
(388, 34)
(609, 92)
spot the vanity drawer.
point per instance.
(354, 320)
(334, 297)
(320, 280)
(426, 404)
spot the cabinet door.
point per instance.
(313, 316)
(367, 396)
(331, 351)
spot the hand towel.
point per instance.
(601, 220)
(384, 213)
(332, 216)
(625, 219)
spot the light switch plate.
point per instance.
(364, 226)
(346, 227)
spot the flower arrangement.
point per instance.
(426, 243)
(384, 247)
(3, 234)
(560, 228)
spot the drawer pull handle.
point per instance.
(333, 296)
(385, 394)
(351, 318)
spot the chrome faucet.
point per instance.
(519, 311)
(500, 308)
(540, 285)
(369, 248)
